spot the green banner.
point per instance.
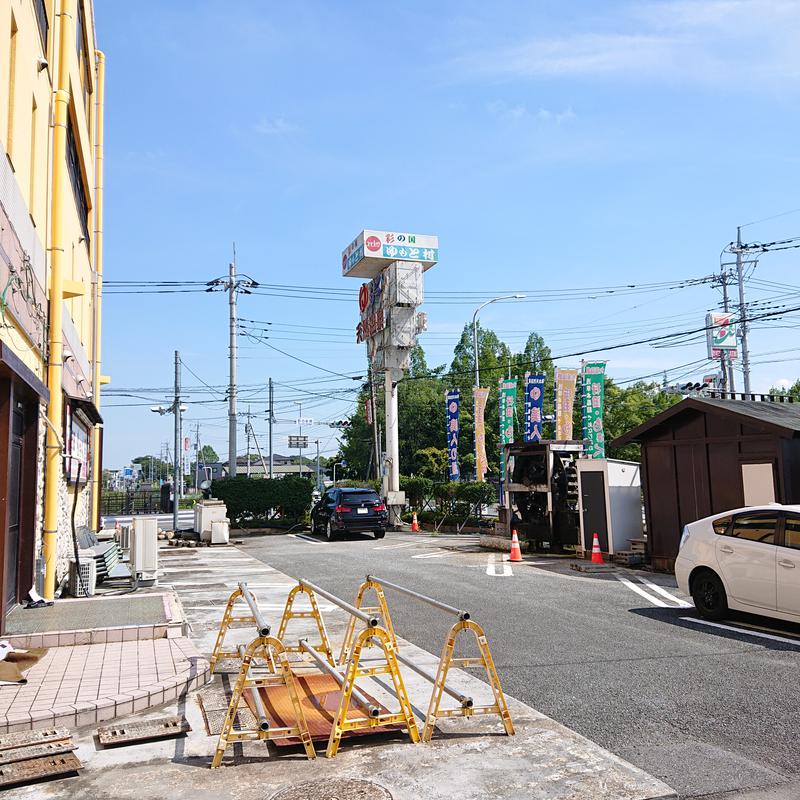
(507, 403)
(593, 390)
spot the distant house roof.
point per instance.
(779, 417)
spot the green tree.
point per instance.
(432, 463)
(793, 391)
(208, 454)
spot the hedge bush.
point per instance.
(259, 498)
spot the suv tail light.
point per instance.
(342, 509)
(379, 507)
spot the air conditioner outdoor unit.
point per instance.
(144, 549)
(124, 536)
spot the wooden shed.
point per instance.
(706, 455)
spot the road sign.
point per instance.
(298, 442)
(304, 421)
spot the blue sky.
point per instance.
(549, 145)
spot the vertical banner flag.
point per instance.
(480, 396)
(565, 399)
(593, 385)
(534, 397)
(507, 404)
(452, 400)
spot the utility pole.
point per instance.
(177, 478)
(742, 312)
(316, 442)
(232, 291)
(300, 431)
(392, 446)
(247, 432)
(271, 420)
(197, 457)
(376, 437)
(727, 361)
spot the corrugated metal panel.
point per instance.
(17, 210)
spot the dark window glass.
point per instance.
(360, 497)
(791, 536)
(76, 179)
(755, 527)
(41, 18)
(721, 525)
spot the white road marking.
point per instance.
(745, 631)
(638, 589)
(395, 546)
(212, 566)
(492, 565)
(663, 592)
(432, 555)
(307, 538)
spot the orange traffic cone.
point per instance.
(516, 553)
(597, 556)
(414, 523)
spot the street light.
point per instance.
(475, 355)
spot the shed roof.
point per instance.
(783, 419)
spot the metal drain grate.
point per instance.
(142, 731)
(334, 789)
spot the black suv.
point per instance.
(343, 510)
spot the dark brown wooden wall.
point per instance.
(691, 468)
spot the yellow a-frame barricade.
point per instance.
(289, 613)
(228, 618)
(271, 651)
(382, 608)
(371, 637)
(446, 661)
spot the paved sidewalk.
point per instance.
(468, 758)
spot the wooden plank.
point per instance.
(37, 768)
(25, 738)
(15, 754)
(162, 728)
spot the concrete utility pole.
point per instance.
(177, 477)
(300, 431)
(247, 433)
(376, 436)
(742, 312)
(271, 421)
(232, 291)
(392, 444)
(197, 457)
(316, 442)
(727, 361)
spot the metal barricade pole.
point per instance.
(462, 615)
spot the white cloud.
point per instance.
(499, 108)
(276, 126)
(729, 42)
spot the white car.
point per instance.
(747, 559)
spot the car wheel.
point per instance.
(380, 534)
(709, 595)
(329, 532)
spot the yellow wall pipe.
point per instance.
(98, 269)
(55, 366)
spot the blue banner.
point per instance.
(452, 402)
(534, 397)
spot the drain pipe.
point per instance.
(55, 366)
(98, 280)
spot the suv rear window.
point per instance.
(360, 497)
(721, 525)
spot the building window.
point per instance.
(41, 18)
(76, 179)
(83, 61)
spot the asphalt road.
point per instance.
(710, 711)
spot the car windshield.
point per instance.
(360, 497)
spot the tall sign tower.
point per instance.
(393, 264)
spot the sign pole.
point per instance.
(392, 447)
